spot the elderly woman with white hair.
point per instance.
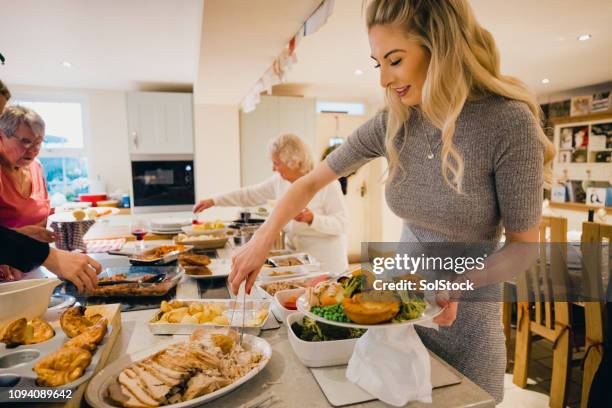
(320, 228)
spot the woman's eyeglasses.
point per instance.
(28, 143)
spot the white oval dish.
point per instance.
(99, 384)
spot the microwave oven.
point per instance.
(162, 183)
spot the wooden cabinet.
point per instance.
(160, 123)
(273, 116)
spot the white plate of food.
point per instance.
(118, 384)
(351, 302)
(84, 214)
(205, 241)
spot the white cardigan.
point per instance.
(325, 238)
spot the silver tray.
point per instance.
(16, 363)
(232, 307)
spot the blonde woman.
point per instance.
(466, 158)
(320, 227)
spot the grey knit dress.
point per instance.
(502, 185)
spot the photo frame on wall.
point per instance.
(602, 102)
(581, 105)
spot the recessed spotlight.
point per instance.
(546, 81)
(358, 72)
(584, 37)
(66, 64)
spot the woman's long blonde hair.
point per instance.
(464, 65)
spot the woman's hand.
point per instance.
(305, 216)
(78, 268)
(38, 233)
(203, 205)
(449, 305)
(248, 260)
(8, 273)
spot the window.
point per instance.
(62, 154)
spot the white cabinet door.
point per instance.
(160, 122)
(272, 116)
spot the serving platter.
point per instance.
(431, 311)
(98, 386)
(282, 272)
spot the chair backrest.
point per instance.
(592, 245)
(548, 280)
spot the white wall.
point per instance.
(217, 153)
(105, 131)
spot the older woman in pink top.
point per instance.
(24, 201)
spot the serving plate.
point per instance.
(97, 388)
(212, 243)
(431, 311)
(162, 260)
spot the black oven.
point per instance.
(162, 183)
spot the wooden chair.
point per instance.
(539, 314)
(593, 235)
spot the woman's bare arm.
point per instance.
(247, 261)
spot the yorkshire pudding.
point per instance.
(74, 321)
(62, 366)
(90, 337)
(41, 331)
(16, 333)
(370, 309)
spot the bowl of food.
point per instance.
(318, 344)
(285, 302)
(27, 298)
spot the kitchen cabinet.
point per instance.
(160, 123)
(273, 116)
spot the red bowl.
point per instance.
(92, 198)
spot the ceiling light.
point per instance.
(358, 72)
(584, 37)
(546, 81)
(66, 64)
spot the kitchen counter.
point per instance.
(285, 375)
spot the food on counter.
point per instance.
(290, 303)
(79, 214)
(282, 273)
(184, 371)
(195, 264)
(181, 312)
(192, 313)
(69, 362)
(311, 330)
(193, 260)
(62, 366)
(203, 237)
(21, 331)
(74, 321)
(209, 225)
(411, 308)
(290, 261)
(160, 252)
(90, 337)
(277, 286)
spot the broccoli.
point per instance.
(353, 285)
(312, 330)
(411, 308)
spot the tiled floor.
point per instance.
(536, 394)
